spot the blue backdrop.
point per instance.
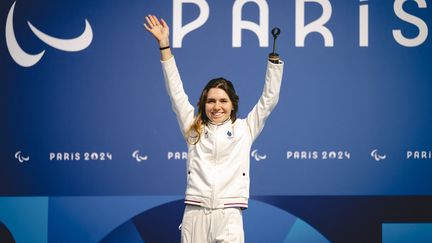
(89, 120)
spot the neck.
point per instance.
(220, 123)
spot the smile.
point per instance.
(217, 114)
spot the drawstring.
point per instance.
(207, 211)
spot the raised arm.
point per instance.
(269, 98)
(173, 83)
(160, 31)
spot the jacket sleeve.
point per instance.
(179, 100)
(268, 100)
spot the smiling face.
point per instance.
(218, 105)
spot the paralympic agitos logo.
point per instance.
(25, 59)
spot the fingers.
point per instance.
(146, 27)
(155, 20)
(150, 23)
(164, 24)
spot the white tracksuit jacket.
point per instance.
(218, 165)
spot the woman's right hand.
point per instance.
(159, 29)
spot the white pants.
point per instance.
(202, 225)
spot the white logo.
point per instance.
(139, 158)
(21, 158)
(25, 59)
(377, 156)
(258, 157)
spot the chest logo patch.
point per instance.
(229, 134)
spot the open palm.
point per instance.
(159, 29)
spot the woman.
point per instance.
(219, 145)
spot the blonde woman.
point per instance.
(219, 146)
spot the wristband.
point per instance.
(163, 48)
(274, 58)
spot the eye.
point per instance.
(210, 101)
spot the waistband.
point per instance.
(238, 202)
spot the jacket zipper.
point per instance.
(214, 165)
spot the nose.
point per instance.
(217, 105)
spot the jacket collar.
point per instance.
(212, 125)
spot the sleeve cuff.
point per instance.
(171, 59)
(280, 62)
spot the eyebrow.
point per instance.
(213, 99)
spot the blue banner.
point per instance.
(85, 110)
